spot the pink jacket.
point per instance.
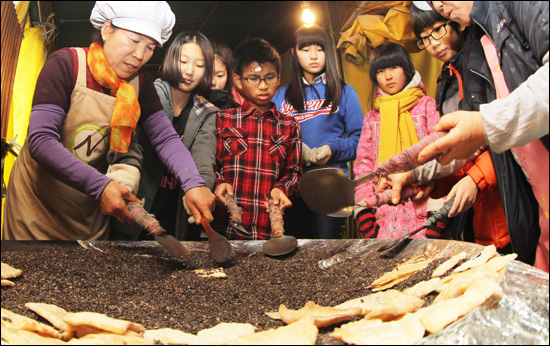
(394, 221)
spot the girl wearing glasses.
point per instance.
(475, 184)
(330, 116)
(402, 115)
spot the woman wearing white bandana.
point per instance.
(86, 104)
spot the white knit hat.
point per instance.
(151, 18)
(423, 5)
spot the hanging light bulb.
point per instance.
(307, 16)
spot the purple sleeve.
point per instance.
(44, 141)
(171, 151)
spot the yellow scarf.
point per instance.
(397, 131)
(127, 111)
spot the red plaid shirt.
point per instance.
(256, 152)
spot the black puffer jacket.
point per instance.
(520, 33)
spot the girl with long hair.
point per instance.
(330, 117)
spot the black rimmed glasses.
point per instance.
(255, 80)
(437, 34)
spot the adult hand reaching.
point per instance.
(465, 137)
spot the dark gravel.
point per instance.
(143, 285)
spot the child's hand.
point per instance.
(306, 154)
(280, 199)
(220, 192)
(398, 181)
(466, 192)
(323, 154)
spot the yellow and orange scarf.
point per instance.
(127, 111)
(397, 131)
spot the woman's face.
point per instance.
(192, 66)
(312, 60)
(446, 48)
(458, 11)
(220, 75)
(126, 51)
(391, 80)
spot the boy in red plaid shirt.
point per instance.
(259, 150)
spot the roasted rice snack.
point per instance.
(407, 330)
(323, 315)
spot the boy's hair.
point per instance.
(390, 54)
(223, 53)
(295, 94)
(420, 20)
(255, 50)
(170, 68)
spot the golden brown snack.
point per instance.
(448, 264)
(384, 305)
(53, 314)
(301, 332)
(225, 333)
(7, 283)
(169, 336)
(109, 339)
(323, 315)
(9, 272)
(216, 273)
(438, 315)
(423, 288)
(485, 255)
(13, 320)
(16, 336)
(102, 322)
(399, 274)
(407, 330)
(458, 283)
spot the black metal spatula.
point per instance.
(151, 224)
(438, 215)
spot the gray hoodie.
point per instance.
(199, 137)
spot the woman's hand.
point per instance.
(466, 192)
(465, 137)
(113, 202)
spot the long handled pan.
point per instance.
(280, 244)
(329, 190)
(220, 248)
